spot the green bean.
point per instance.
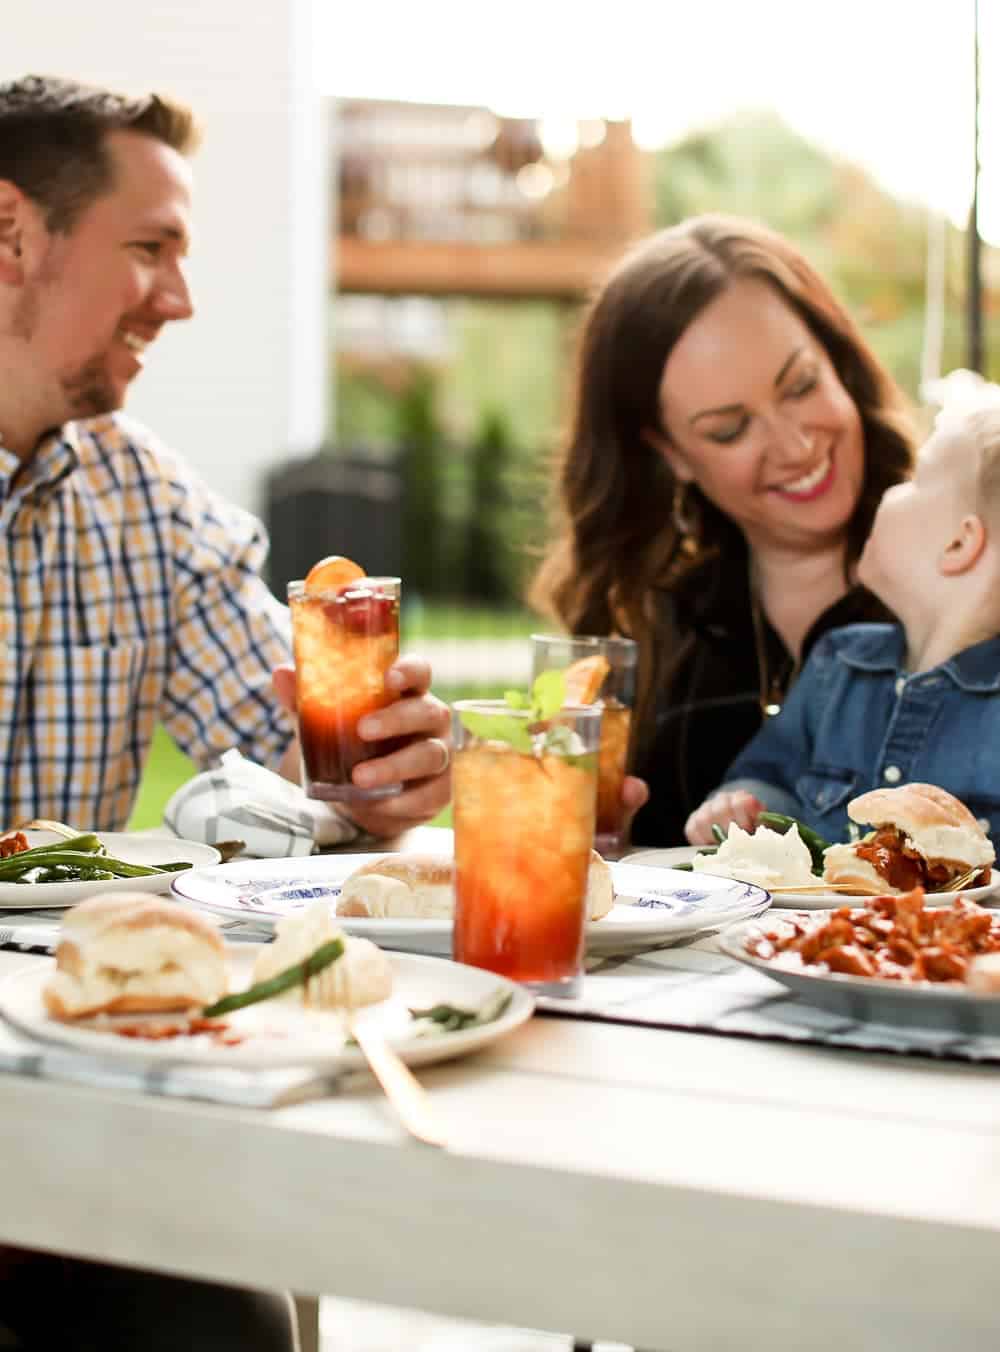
(296, 975)
(452, 1018)
(812, 840)
(39, 854)
(16, 864)
(718, 833)
(688, 866)
(71, 873)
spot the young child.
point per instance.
(877, 704)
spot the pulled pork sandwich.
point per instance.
(923, 837)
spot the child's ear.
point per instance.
(965, 549)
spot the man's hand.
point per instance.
(423, 765)
(739, 807)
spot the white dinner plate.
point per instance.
(651, 907)
(122, 845)
(921, 1004)
(987, 895)
(280, 1033)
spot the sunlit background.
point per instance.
(885, 83)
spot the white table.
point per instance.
(674, 1191)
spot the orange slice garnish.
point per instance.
(332, 573)
(584, 679)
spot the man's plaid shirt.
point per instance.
(130, 596)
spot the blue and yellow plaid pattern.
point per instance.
(131, 595)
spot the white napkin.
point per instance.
(243, 801)
(247, 1088)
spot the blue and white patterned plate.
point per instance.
(987, 895)
(652, 905)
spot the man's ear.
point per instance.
(965, 548)
(675, 458)
(13, 204)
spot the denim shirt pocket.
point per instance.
(824, 793)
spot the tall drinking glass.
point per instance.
(613, 692)
(345, 640)
(523, 810)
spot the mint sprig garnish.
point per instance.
(548, 694)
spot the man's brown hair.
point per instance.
(52, 139)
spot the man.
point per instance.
(131, 593)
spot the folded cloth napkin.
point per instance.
(210, 1084)
(240, 800)
(39, 931)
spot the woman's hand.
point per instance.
(723, 808)
(635, 794)
(422, 765)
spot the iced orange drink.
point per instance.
(524, 829)
(599, 672)
(345, 629)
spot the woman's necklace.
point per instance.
(770, 685)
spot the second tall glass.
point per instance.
(608, 666)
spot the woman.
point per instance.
(732, 437)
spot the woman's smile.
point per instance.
(808, 487)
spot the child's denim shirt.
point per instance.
(855, 721)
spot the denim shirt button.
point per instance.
(892, 774)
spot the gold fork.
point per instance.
(961, 881)
(849, 889)
(402, 1088)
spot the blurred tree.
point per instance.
(420, 442)
(750, 165)
(487, 573)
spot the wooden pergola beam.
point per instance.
(556, 270)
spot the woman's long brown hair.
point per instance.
(618, 549)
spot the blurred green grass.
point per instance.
(168, 767)
(441, 621)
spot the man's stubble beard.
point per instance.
(88, 390)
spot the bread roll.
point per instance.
(938, 825)
(361, 976)
(600, 888)
(130, 953)
(400, 887)
(422, 887)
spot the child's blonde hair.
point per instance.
(983, 429)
